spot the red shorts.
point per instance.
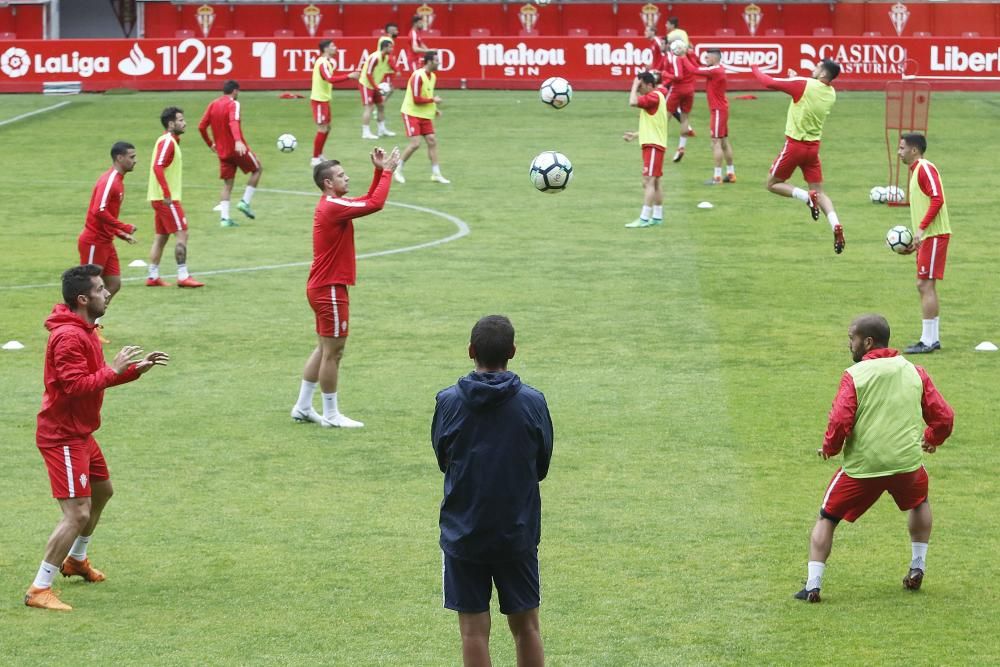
(321, 112)
(169, 219)
(848, 498)
(370, 96)
(682, 100)
(248, 163)
(931, 257)
(802, 154)
(73, 467)
(102, 254)
(330, 304)
(718, 123)
(652, 160)
(417, 127)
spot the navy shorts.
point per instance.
(468, 586)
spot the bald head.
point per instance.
(872, 326)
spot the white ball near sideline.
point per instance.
(287, 143)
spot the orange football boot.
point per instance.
(44, 598)
(73, 567)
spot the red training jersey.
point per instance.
(929, 181)
(715, 87)
(163, 157)
(679, 70)
(334, 261)
(938, 415)
(103, 225)
(650, 102)
(76, 376)
(223, 116)
(794, 87)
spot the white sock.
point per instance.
(730, 169)
(646, 212)
(224, 209)
(330, 405)
(658, 212)
(927, 337)
(381, 125)
(718, 172)
(436, 169)
(800, 194)
(937, 329)
(154, 271)
(182, 272)
(832, 218)
(79, 548)
(248, 193)
(682, 142)
(306, 391)
(919, 560)
(46, 573)
(366, 129)
(815, 579)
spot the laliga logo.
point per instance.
(137, 64)
(15, 62)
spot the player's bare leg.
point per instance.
(685, 132)
(930, 336)
(920, 523)
(819, 198)
(155, 255)
(366, 119)
(717, 158)
(112, 284)
(727, 154)
(322, 132)
(75, 515)
(224, 198)
(928, 298)
(244, 203)
(184, 278)
(331, 352)
(820, 545)
(303, 410)
(650, 185)
(475, 631)
(383, 131)
(432, 153)
(76, 562)
(527, 638)
(410, 149)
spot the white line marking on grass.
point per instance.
(461, 225)
(33, 113)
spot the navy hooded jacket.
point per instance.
(493, 440)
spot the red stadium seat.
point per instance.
(8, 35)
(284, 32)
(184, 34)
(823, 32)
(433, 32)
(775, 32)
(725, 32)
(970, 34)
(922, 33)
(871, 33)
(333, 32)
(479, 32)
(628, 32)
(235, 33)
(528, 33)
(378, 32)
(577, 32)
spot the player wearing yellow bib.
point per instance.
(652, 135)
(164, 193)
(931, 231)
(323, 79)
(376, 69)
(812, 100)
(419, 110)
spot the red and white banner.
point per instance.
(487, 62)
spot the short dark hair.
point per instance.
(325, 43)
(674, 21)
(493, 340)
(229, 86)
(78, 280)
(872, 326)
(915, 140)
(170, 114)
(831, 68)
(390, 25)
(647, 77)
(384, 43)
(121, 148)
(714, 52)
(320, 171)
(417, 18)
(429, 56)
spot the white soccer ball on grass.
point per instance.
(287, 143)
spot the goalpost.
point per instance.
(907, 107)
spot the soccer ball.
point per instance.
(899, 239)
(550, 172)
(879, 195)
(287, 143)
(678, 47)
(556, 92)
(894, 194)
(385, 88)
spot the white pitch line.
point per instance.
(463, 230)
(32, 113)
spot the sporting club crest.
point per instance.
(528, 17)
(311, 16)
(426, 12)
(650, 16)
(899, 15)
(752, 15)
(206, 17)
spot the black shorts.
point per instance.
(468, 586)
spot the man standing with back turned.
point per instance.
(76, 376)
(878, 419)
(492, 436)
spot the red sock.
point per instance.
(318, 143)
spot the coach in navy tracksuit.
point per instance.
(493, 438)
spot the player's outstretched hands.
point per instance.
(392, 161)
(126, 357)
(150, 360)
(630, 136)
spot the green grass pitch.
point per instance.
(689, 371)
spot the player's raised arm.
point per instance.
(794, 87)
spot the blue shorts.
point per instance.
(468, 586)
